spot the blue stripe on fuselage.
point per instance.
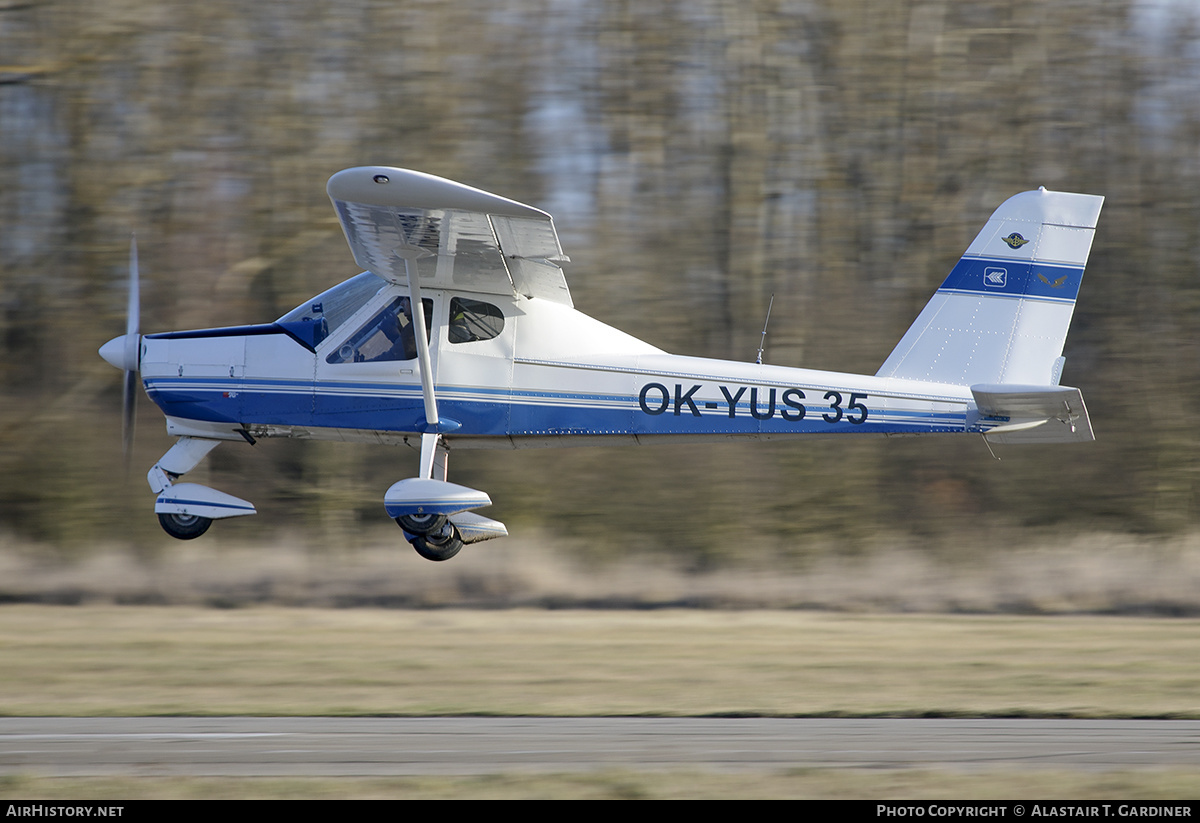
(499, 412)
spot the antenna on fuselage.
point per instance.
(763, 341)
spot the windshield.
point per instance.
(330, 309)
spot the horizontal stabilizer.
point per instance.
(1015, 414)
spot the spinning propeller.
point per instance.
(124, 352)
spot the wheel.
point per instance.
(440, 545)
(421, 523)
(184, 526)
(434, 551)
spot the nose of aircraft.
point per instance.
(122, 352)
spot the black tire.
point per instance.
(422, 523)
(440, 546)
(184, 526)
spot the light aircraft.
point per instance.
(498, 357)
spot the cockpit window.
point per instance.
(330, 309)
(389, 335)
(472, 320)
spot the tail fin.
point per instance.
(1002, 314)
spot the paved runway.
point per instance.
(257, 746)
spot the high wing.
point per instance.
(463, 239)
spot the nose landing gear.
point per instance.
(184, 526)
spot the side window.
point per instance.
(472, 320)
(389, 335)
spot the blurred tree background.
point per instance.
(698, 155)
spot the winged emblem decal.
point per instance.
(1015, 240)
(1054, 284)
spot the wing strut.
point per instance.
(429, 438)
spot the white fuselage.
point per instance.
(551, 376)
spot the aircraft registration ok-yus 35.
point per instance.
(499, 358)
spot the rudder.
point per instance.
(1002, 314)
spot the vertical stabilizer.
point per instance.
(1003, 313)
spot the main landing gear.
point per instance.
(434, 537)
(440, 537)
(436, 515)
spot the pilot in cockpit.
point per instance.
(394, 337)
